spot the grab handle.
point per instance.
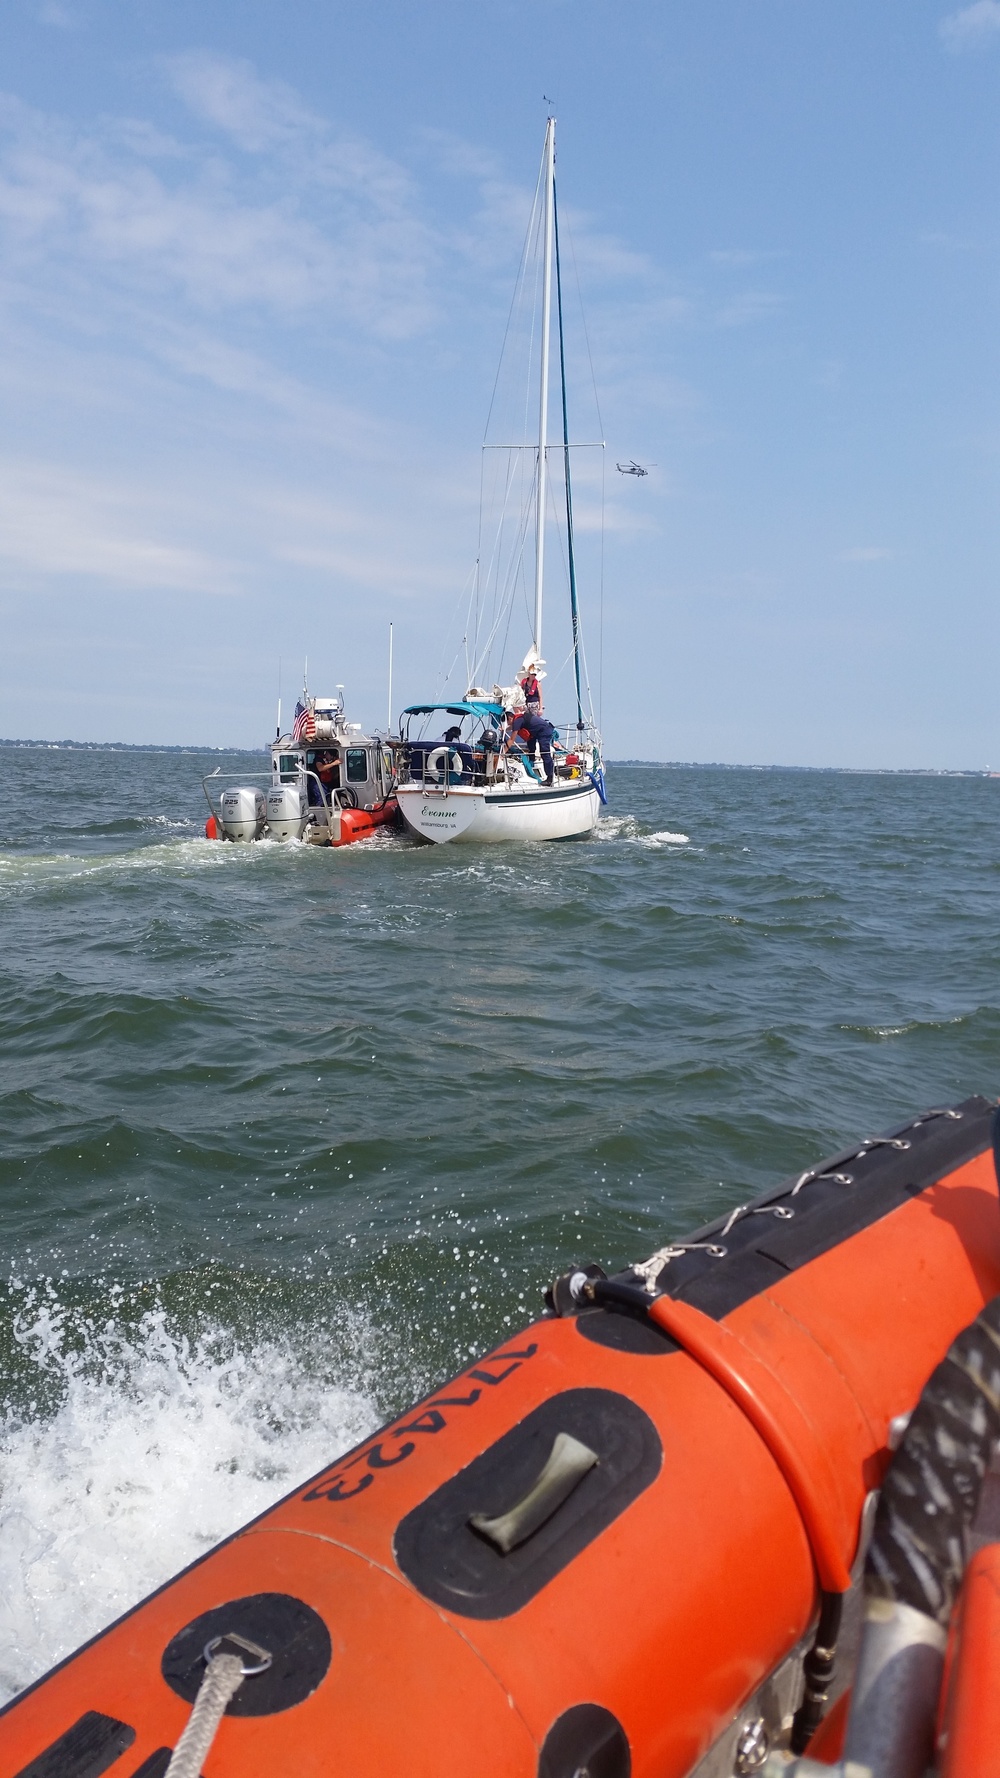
(568, 1462)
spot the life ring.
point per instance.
(346, 797)
(442, 761)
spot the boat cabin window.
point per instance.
(288, 767)
(357, 765)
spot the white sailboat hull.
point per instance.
(500, 813)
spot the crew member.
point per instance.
(529, 733)
(532, 690)
(327, 769)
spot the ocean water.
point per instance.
(288, 1134)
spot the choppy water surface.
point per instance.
(287, 1134)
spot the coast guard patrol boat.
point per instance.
(330, 783)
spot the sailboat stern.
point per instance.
(439, 815)
(501, 813)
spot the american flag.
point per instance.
(304, 726)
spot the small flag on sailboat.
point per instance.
(304, 726)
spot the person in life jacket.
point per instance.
(325, 767)
(529, 732)
(532, 690)
(328, 770)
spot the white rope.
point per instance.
(223, 1678)
(649, 1269)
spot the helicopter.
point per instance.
(633, 468)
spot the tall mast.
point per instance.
(574, 604)
(549, 164)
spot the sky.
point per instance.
(256, 263)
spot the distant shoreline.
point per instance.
(126, 747)
(662, 765)
(719, 765)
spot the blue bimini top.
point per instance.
(478, 708)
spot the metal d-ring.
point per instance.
(264, 1656)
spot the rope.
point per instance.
(224, 1674)
(650, 1268)
(811, 1176)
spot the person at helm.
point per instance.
(325, 767)
(328, 770)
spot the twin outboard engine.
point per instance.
(244, 812)
(287, 811)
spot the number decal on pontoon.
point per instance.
(341, 1485)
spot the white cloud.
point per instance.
(741, 257)
(257, 114)
(936, 237)
(367, 565)
(972, 25)
(51, 13)
(60, 522)
(268, 117)
(598, 256)
(233, 370)
(749, 307)
(454, 155)
(158, 289)
(202, 229)
(279, 214)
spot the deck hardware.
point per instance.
(752, 1748)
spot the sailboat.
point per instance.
(480, 779)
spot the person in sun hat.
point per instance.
(529, 683)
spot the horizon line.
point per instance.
(716, 765)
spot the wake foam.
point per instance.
(626, 827)
(153, 1445)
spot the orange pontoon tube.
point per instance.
(622, 1543)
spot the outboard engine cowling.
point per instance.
(243, 813)
(287, 810)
